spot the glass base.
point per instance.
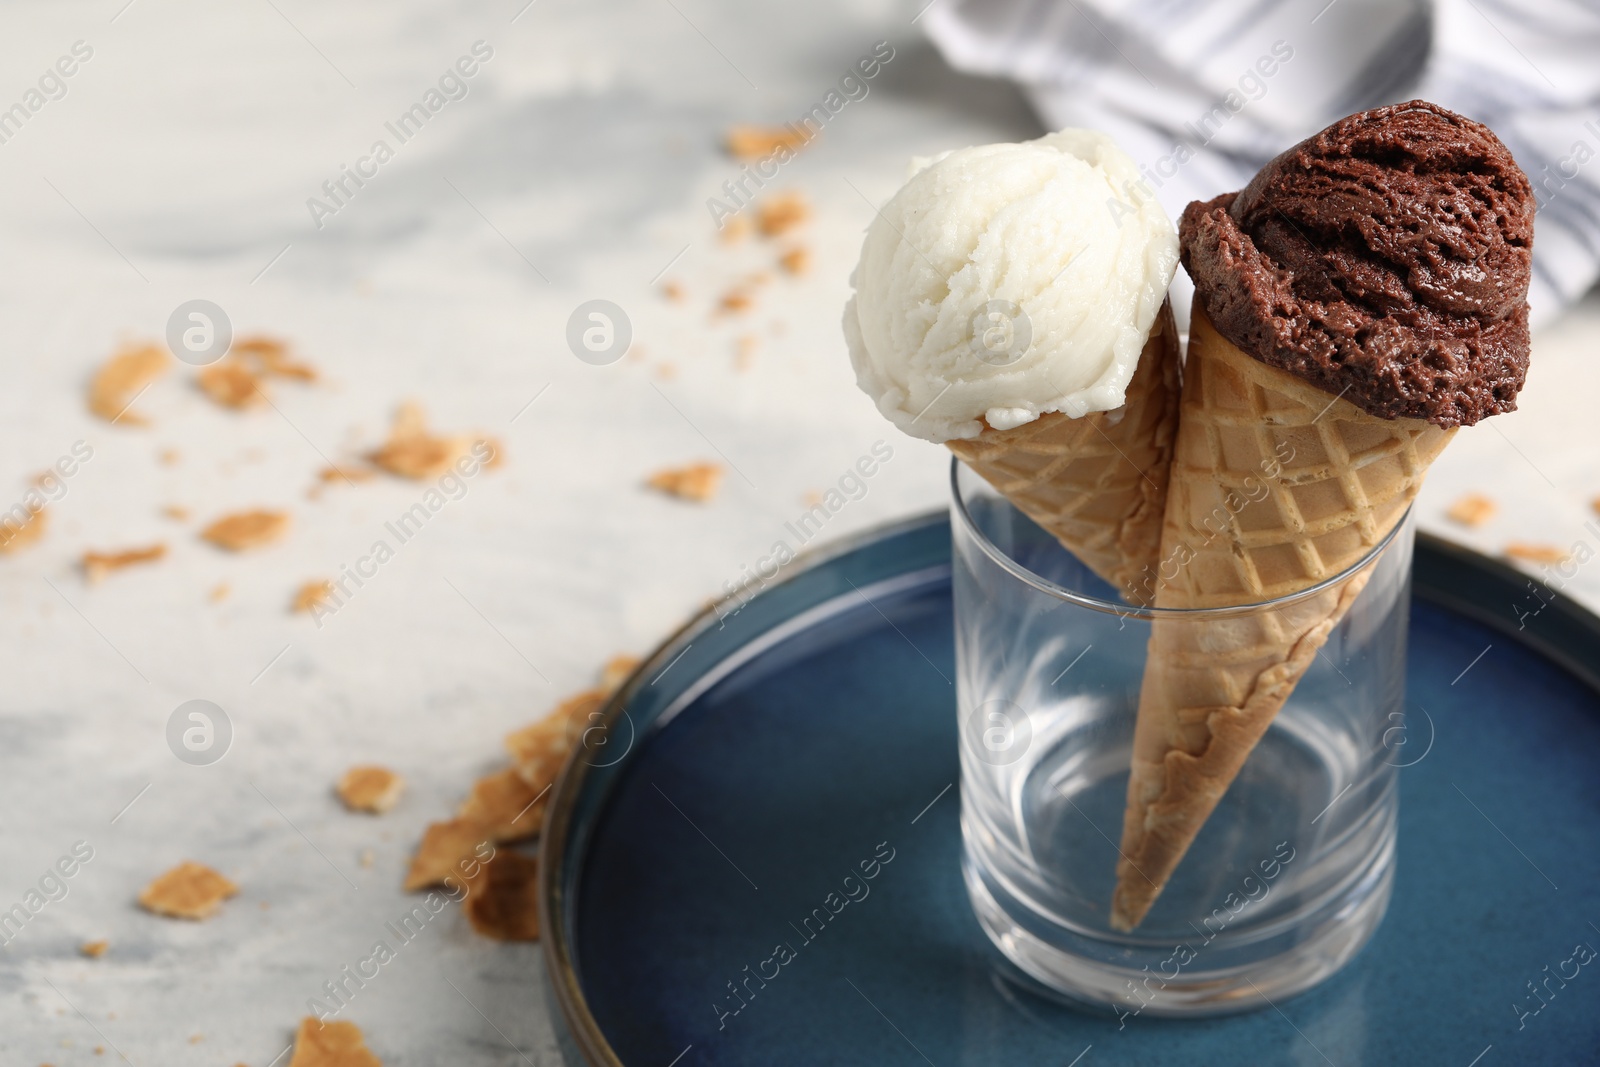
(1286, 877)
(1168, 982)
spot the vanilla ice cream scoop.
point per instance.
(1006, 281)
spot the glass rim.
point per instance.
(1041, 584)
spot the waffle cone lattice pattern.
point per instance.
(1098, 482)
(1276, 487)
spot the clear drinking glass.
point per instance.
(1292, 872)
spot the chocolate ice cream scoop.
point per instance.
(1385, 259)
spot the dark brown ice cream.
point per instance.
(1385, 259)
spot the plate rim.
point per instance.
(581, 1030)
(1438, 563)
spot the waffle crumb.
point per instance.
(734, 229)
(697, 481)
(502, 898)
(169, 457)
(413, 452)
(616, 671)
(94, 949)
(780, 213)
(748, 143)
(188, 891)
(666, 371)
(231, 384)
(796, 260)
(367, 857)
(370, 788)
(672, 291)
(734, 302)
(506, 806)
(331, 475)
(20, 535)
(270, 357)
(447, 850)
(238, 380)
(247, 529)
(335, 1043)
(219, 592)
(311, 594)
(1474, 509)
(121, 379)
(539, 750)
(96, 565)
(1536, 553)
(176, 513)
(259, 345)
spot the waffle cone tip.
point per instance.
(1334, 481)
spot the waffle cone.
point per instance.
(1276, 486)
(1097, 482)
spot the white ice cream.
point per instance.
(1063, 230)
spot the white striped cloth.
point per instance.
(1234, 82)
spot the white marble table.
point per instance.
(178, 165)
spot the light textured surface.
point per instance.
(191, 141)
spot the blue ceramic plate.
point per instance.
(758, 759)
